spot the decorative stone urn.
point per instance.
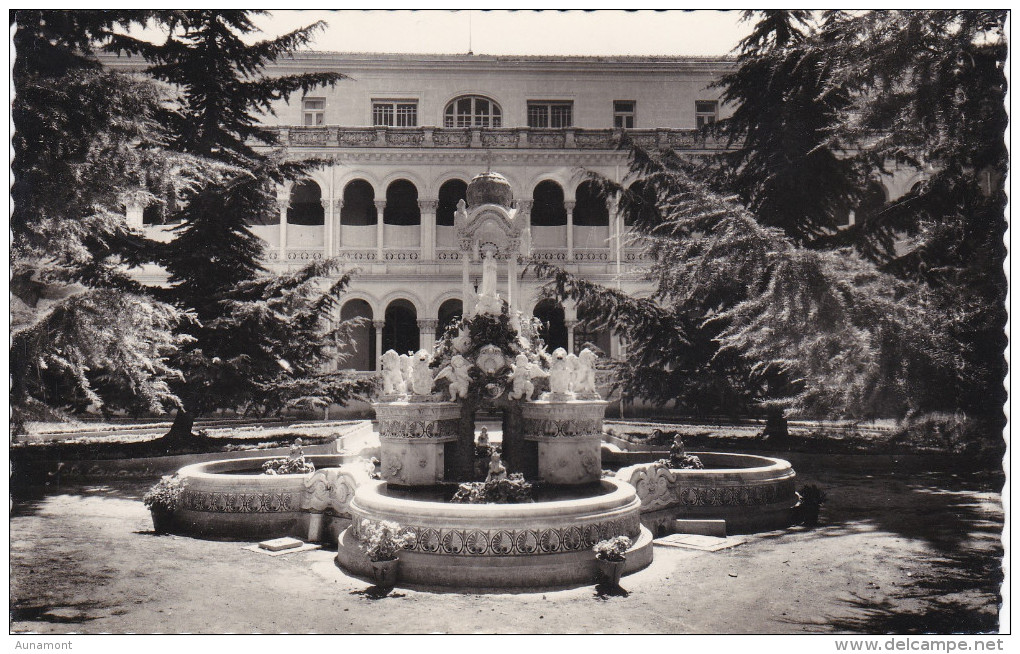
(413, 436)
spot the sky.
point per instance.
(528, 32)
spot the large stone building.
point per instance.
(406, 133)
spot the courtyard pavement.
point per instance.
(906, 545)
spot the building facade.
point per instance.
(406, 133)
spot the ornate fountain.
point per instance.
(493, 360)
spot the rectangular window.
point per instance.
(314, 111)
(706, 112)
(623, 114)
(550, 114)
(395, 113)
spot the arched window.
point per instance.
(643, 204)
(554, 328)
(306, 204)
(449, 312)
(548, 209)
(400, 331)
(402, 204)
(359, 204)
(473, 111)
(590, 210)
(360, 354)
(450, 193)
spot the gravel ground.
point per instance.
(902, 548)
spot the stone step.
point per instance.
(715, 528)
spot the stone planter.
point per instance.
(162, 520)
(412, 439)
(611, 571)
(385, 572)
(569, 438)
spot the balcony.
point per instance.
(520, 138)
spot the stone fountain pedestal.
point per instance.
(413, 433)
(569, 437)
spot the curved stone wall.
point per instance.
(498, 545)
(751, 493)
(229, 499)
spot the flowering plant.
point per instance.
(614, 549)
(381, 541)
(296, 466)
(165, 495)
(511, 490)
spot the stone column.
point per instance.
(570, 320)
(615, 236)
(338, 228)
(327, 227)
(428, 228)
(512, 280)
(283, 199)
(378, 324)
(570, 230)
(467, 293)
(380, 230)
(427, 328)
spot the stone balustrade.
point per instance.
(570, 138)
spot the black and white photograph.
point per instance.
(520, 321)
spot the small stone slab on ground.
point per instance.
(277, 544)
(698, 542)
(302, 547)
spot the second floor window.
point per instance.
(550, 114)
(314, 112)
(473, 111)
(623, 114)
(706, 112)
(395, 113)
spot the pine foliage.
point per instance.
(263, 341)
(87, 141)
(742, 308)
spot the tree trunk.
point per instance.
(182, 427)
(776, 426)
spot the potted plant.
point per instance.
(611, 557)
(382, 542)
(162, 500)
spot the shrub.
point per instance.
(381, 541)
(613, 549)
(811, 500)
(512, 490)
(165, 495)
(296, 466)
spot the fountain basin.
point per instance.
(500, 545)
(751, 493)
(231, 499)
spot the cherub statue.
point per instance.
(584, 379)
(483, 437)
(523, 371)
(392, 374)
(296, 451)
(496, 468)
(572, 364)
(457, 373)
(405, 372)
(421, 376)
(559, 372)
